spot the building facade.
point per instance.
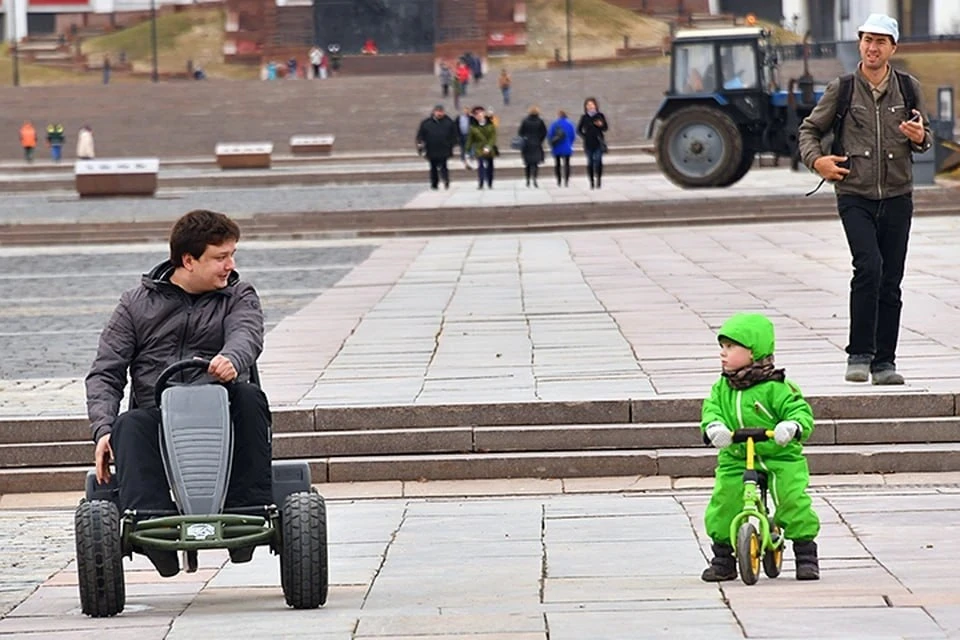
(829, 20)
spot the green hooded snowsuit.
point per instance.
(762, 405)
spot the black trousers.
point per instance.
(531, 171)
(878, 232)
(438, 172)
(485, 171)
(135, 440)
(565, 161)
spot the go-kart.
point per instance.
(196, 444)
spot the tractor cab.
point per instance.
(708, 61)
(724, 105)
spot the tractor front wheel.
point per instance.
(700, 146)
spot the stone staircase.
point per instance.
(886, 433)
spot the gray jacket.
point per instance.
(881, 158)
(158, 323)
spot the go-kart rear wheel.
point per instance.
(748, 553)
(99, 558)
(773, 558)
(303, 558)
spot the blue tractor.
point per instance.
(725, 105)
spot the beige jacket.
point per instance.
(881, 158)
(85, 144)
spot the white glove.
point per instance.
(785, 431)
(719, 435)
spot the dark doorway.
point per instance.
(41, 23)
(821, 16)
(395, 26)
(914, 17)
(764, 9)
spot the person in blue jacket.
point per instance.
(561, 136)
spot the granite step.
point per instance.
(512, 439)
(673, 462)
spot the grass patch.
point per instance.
(135, 41)
(597, 29)
(34, 74)
(195, 35)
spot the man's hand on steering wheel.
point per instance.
(222, 369)
(103, 457)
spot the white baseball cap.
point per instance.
(882, 24)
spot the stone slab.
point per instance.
(472, 466)
(371, 442)
(505, 413)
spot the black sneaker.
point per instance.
(723, 566)
(808, 563)
(241, 554)
(166, 563)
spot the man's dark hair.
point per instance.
(196, 229)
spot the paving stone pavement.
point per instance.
(523, 560)
(579, 315)
(55, 302)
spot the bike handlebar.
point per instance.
(174, 369)
(758, 435)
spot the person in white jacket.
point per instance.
(85, 149)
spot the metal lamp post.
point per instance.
(155, 74)
(14, 49)
(569, 36)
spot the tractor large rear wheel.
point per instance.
(746, 161)
(700, 146)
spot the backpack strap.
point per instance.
(905, 82)
(844, 97)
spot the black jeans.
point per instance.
(438, 172)
(878, 232)
(135, 440)
(485, 171)
(557, 161)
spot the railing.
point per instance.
(827, 50)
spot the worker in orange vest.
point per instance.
(28, 140)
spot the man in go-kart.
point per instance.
(193, 305)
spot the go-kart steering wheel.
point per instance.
(174, 369)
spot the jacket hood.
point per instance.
(752, 330)
(161, 273)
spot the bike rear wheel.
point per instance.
(773, 558)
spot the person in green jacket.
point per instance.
(482, 144)
(752, 393)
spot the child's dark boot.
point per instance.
(808, 566)
(723, 567)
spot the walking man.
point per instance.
(876, 115)
(436, 138)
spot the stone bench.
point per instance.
(117, 177)
(311, 144)
(247, 155)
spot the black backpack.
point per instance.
(845, 96)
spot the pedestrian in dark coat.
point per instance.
(592, 126)
(436, 138)
(533, 130)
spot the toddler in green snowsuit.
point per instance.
(751, 393)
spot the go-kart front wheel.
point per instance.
(748, 553)
(303, 558)
(99, 558)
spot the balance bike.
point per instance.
(752, 547)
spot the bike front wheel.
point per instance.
(748, 553)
